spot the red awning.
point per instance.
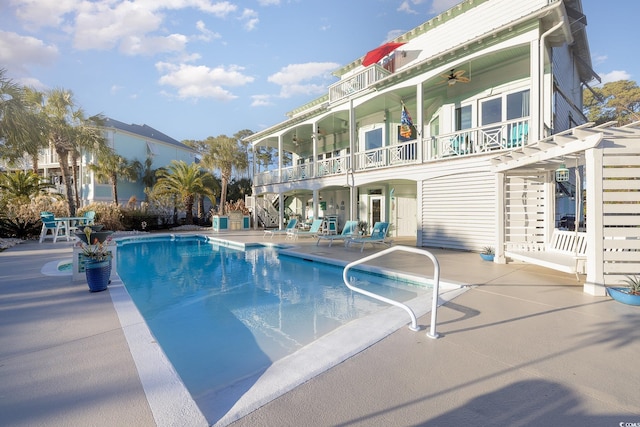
(380, 52)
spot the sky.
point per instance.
(198, 68)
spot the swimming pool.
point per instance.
(225, 316)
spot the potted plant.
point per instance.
(488, 253)
(97, 261)
(363, 228)
(90, 233)
(626, 294)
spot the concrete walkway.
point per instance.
(523, 346)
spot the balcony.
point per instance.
(361, 81)
(495, 137)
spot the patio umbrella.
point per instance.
(380, 52)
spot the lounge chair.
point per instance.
(290, 226)
(348, 231)
(90, 218)
(312, 232)
(378, 236)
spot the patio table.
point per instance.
(69, 223)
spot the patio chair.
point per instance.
(50, 224)
(378, 236)
(312, 232)
(290, 226)
(90, 218)
(349, 230)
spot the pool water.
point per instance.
(223, 315)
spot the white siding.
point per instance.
(482, 19)
(524, 209)
(621, 210)
(458, 211)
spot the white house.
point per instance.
(453, 134)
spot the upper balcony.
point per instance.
(496, 137)
(359, 82)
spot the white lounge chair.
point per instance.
(349, 230)
(378, 236)
(290, 226)
(312, 232)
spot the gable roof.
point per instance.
(145, 132)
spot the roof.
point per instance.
(145, 132)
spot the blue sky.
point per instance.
(198, 68)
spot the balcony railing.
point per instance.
(495, 137)
(360, 81)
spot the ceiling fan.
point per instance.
(455, 76)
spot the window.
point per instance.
(518, 105)
(491, 111)
(463, 118)
(373, 139)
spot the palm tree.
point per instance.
(111, 166)
(23, 185)
(225, 154)
(20, 124)
(185, 181)
(59, 108)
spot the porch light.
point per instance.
(562, 173)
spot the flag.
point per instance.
(406, 124)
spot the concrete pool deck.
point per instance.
(523, 346)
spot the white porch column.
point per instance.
(594, 284)
(549, 204)
(418, 122)
(316, 204)
(500, 220)
(280, 157)
(419, 215)
(280, 210)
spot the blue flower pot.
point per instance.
(487, 257)
(620, 295)
(98, 273)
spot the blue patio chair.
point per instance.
(291, 225)
(349, 230)
(378, 236)
(312, 232)
(50, 224)
(519, 133)
(90, 218)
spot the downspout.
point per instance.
(541, 53)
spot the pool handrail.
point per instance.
(436, 284)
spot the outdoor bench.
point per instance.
(566, 252)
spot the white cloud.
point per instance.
(261, 101)
(250, 18)
(17, 52)
(268, 2)
(152, 45)
(292, 77)
(205, 34)
(614, 75)
(44, 13)
(200, 81)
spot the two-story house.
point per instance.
(133, 142)
(452, 133)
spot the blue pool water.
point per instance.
(223, 315)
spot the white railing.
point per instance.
(436, 285)
(357, 83)
(393, 155)
(499, 136)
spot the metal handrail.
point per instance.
(436, 284)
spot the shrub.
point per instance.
(21, 219)
(108, 214)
